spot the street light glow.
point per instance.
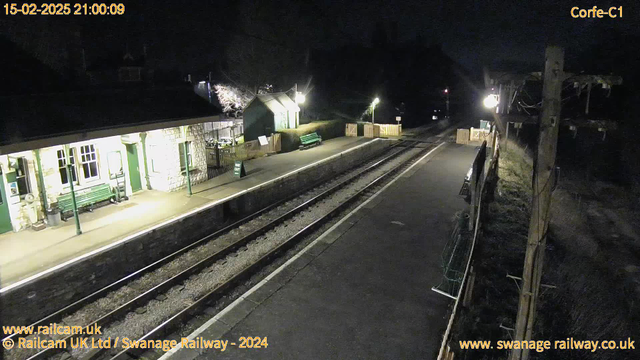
(373, 110)
(491, 101)
(446, 91)
(300, 98)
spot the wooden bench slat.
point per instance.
(309, 139)
(85, 197)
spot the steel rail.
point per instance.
(220, 290)
(76, 305)
(168, 283)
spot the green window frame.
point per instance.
(62, 166)
(181, 154)
(89, 159)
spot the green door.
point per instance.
(134, 168)
(5, 218)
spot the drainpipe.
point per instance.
(186, 164)
(143, 139)
(73, 193)
(43, 191)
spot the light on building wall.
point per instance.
(183, 132)
(300, 98)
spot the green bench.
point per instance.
(310, 140)
(85, 197)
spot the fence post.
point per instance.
(476, 181)
(468, 292)
(472, 190)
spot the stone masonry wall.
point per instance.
(164, 157)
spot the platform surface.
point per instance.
(30, 252)
(363, 289)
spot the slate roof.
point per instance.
(276, 102)
(30, 117)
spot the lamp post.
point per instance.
(446, 92)
(373, 110)
(73, 193)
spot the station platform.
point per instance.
(29, 252)
(362, 290)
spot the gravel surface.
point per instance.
(139, 322)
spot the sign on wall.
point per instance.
(238, 169)
(130, 138)
(114, 160)
(13, 189)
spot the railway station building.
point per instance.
(268, 113)
(117, 141)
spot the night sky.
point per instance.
(193, 35)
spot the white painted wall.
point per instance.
(164, 158)
(162, 152)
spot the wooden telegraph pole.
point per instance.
(542, 184)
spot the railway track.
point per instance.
(259, 224)
(163, 286)
(185, 314)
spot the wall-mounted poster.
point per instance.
(13, 189)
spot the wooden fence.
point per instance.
(378, 130)
(482, 189)
(351, 129)
(221, 160)
(390, 129)
(466, 136)
(481, 135)
(462, 136)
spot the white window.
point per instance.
(181, 152)
(89, 160)
(156, 163)
(62, 166)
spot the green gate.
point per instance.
(454, 257)
(134, 168)
(5, 217)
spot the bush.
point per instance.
(327, 129)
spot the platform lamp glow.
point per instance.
(490, 101)
(375, 102)
(299, 99)
(183, 132)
